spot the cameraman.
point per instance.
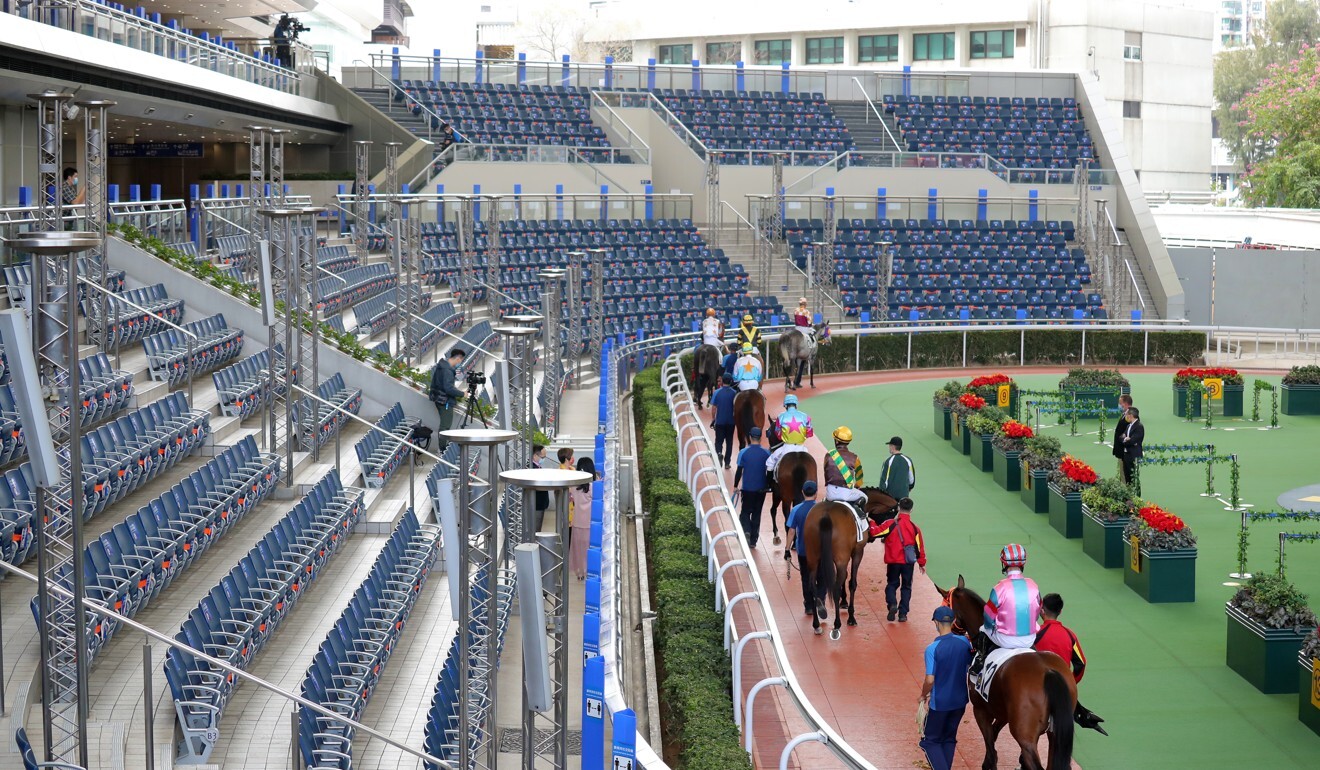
(444, 392)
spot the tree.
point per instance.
(1283, 118)
(1289, 24)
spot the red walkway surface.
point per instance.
(866, 685)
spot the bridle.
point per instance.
(957, 627)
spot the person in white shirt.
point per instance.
(712, 329)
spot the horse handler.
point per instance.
(792, 526)
(944, 690)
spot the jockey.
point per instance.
(712, 329)
(843, 471)
(747, 369)
(748, 333)
(794, 428)
(1012, 613)
(802, 319)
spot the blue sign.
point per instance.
(592, 592)
(593, 563)
(625, 741)
(157, 150)
(590, 635)
(593, 714)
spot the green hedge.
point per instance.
(696, 707)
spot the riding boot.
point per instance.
(1084, 717)
(982, 645)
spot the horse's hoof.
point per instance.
(777, 540)
(819, 631)
(852, 621)
(834, 635)
(822, 613)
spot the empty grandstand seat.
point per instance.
(383, 450)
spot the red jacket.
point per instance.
(910, 535)
(1055, 637)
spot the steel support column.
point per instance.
(714, 211)
(516, 414)
(465, 291)
(597, 307)
(277, 165)
(258, 146)
(493, 256)
(94, 193)
(361, 200)
(552, 351)
(573, 306)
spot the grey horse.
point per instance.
(796, 346)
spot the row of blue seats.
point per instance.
(449, 226)
(234, 251)
(327, 413)
(517, 152)
(375, 241)
(246, 386)
(987, 279)
(430, 329)
(129, 565)
(335, 259)
(997, 313)
(173, 356)
(1006, 101)
(377, 313)
(574, 239)
(560, 91)
(126, 324)
(105, 389)
(383, 450)
(241, 613)
(334, 293)
(479, 338)
(13, 439)
(351, 660)
(1002, 297)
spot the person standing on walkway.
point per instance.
(1124, 403)
(944, 690)
(444, 392)
(898, 476)
(580, 533)
(1057, 638)
(793, 525)
(723, 422)
(905, 549)
(751, 471)
(1134, 435)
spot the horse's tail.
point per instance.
(1061, 713)
(744, 416)
(799, 478)
(825, 566)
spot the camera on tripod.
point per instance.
(475, 380)
(289, 27)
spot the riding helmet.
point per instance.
(710, 312)
(747, 318)
(843, 434)
(790, 400)
(1013, 555)
(747, 347)
(802, 300)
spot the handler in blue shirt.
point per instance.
(730, 358)
(751, 470)
(947, 659)
(723, 422)
(792, 526)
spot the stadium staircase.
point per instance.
(784, 283)
(868, 134)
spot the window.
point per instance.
(1132, 46)
(877, 48)
(773, 51)
(1132, 110)
(932, 46)
(993, 44)
(723, 53)
(675, 54)
(824, 50)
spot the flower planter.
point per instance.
(942, 427)
(1106, 396)
(1066, 512)
(1233, 400)
(1308, 692)
(982, 451)
(1180, 403)
(959, 436)
(1103, 540)
(1007, 470)
(1300, 399)
(1262, 655)
(1035, 489)
(1163, 576)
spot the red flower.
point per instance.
(1077, 470)
(1161, 520)
(1200, 373)
(971, 401)
(989, 379)
(1015, 429)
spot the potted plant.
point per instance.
(1183, 382)
(1066, 485)
(1301, 390)
(1159, 552)
(1267, 622)
(990, 386)
(1040, 456)
(1104, 385)
(982, 427)
(943, 401)
(1008, 444)
(1308, 682)
(964, 407)
(1106, 508)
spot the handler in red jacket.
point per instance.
(1057, 638)
(904, 549)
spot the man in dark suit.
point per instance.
(1124, 403)
(1134, 433)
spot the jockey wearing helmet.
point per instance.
(712, 329)
(747, 369)
(1012, 612)
(802, 319)
(748, 333)
(794, 428)
(843, 471)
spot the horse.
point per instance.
(1033, 694)
(748, 413)
(794, 470)
(797, 346)
(833, 554)
(705, 372)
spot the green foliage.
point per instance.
(1311, 646)
(983, 423)
(1080, 379)
(1110, 499)
(1272, 600)
(948, 393)
(1043, 452)
(1300, 375)
(1281, 115)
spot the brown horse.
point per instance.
(834, 554)
(794, 470)
(748, 413)
(1033, 695)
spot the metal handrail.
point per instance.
(429, 171)
(634, 140)
(654, 102)
(878, 116)
(192, 338)
(831, 163)
(442, 330)
(102, 610)
(1132, 277)
(430, 130)
(1113, 228)
(614, 184)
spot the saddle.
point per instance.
(993, 661)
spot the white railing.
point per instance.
(634, 142)
(164, 219)
(879, 116)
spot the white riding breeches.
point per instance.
(1007, 642)
(845, 495)
(711, 339)
(749, 385)
(779, 453)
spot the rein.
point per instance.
(957, 627)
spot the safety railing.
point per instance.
(652, 102)
(641, 151)
(111, 298)
(143, 34)
(165, 219)
(441, 207)
(847, 207)
(541, 153)
(433, 120)
(879, 116)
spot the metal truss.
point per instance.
(493, 251)
(361, 200)
(552, 348)
(597, 257)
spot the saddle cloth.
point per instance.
(993, 661)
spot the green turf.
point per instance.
(1157, 672)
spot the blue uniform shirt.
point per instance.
(798, 516)
(723, 403)
(947, 659)
(729, 360)
(752, 460)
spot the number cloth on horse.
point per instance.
(993, 662)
